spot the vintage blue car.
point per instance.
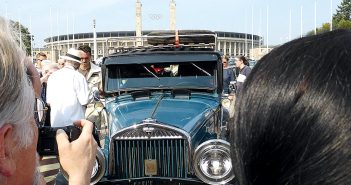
(165, 120)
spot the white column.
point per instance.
(235, 53)
(225, 48)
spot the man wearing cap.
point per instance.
(67, 92)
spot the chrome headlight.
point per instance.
(98, 169)
(212, 162)
(226, 103)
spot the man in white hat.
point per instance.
(67, 92)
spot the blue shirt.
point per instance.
(228, 76)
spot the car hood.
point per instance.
(186, 114)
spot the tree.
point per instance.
(25, 36)
(325, 28)
(343, 11)
(341, 19)
(344, 24)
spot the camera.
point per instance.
(232, 87)
(47, 138)
(47, 144)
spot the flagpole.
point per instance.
(331, 15)
(260, 29)
(267, 28)
(31, 37)
(19, 27)
(301, 21)
(252, 40)
(95, 44)
(67, 32)
(52, 37)
(245, 34)
(290, 26)
(58, 33)
(73, 29)
(315, 17)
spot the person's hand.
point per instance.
(78, 157)
(45, 77)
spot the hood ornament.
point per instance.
(148, 130)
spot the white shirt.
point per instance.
(67, 94)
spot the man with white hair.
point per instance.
(67, 92)
(18, 130)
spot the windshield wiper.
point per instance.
(150, 72)
(207, 73)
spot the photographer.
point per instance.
(19, 132)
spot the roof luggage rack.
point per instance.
(168, 40)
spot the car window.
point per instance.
(162, 75)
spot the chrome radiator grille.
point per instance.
(154, 145)
(171, 157)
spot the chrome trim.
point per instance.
(214, 141)
(208, 145)
(101, 171)
(153, 179)
(149, 122)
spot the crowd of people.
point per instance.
(292, 122)
(67, 88)
(20, 84)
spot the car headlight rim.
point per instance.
(226, 103)
(215, 146)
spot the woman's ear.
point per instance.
(7, 164)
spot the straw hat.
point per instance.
(72, 55)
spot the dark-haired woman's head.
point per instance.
(293, 123)
(225, 60)
(241, 62)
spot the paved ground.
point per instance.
(49, 167)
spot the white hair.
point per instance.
(16, 93)
(50, 67)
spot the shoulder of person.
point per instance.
(95, 68)
(247, 69)
(79, 75)
(53, 75)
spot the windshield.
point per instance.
(193, 75)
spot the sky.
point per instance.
(244, 16)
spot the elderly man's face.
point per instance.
(23, 162)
